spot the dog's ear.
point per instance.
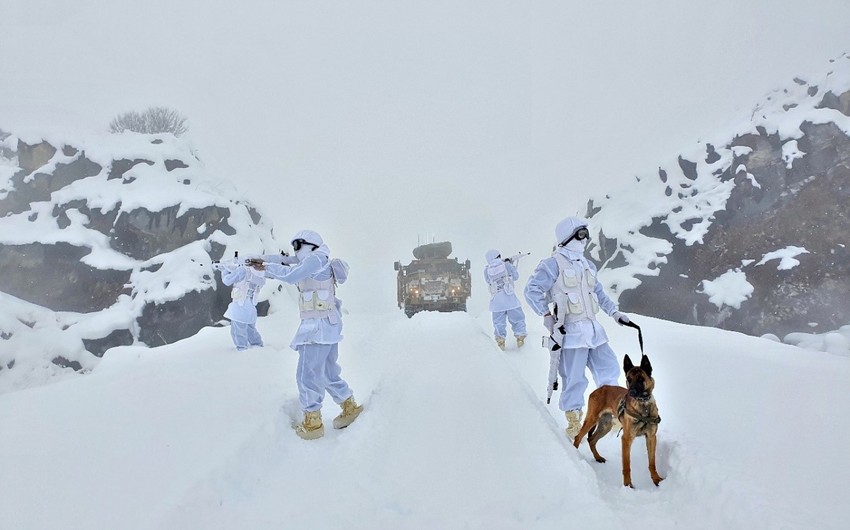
(627, 364)
(646, 366)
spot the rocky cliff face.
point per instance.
(108, 241)
(748, 232)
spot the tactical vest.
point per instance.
(499, 279)
(247, 289)
(574, 294)
(317, 298)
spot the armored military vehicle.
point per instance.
(433, 281)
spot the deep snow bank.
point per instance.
(455, 435)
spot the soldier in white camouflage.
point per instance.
(320, 332)
(500, 275)
(568, 282)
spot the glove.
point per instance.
(621, 318)
(549, 323)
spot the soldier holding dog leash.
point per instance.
(568, 281)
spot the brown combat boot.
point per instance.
(573, 423)
(520, 340)
(311, 428)
(500, 341)
(350, 411)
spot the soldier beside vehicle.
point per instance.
(500, 275)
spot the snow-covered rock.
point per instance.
(769, 200)
(107, 240)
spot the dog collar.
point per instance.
(621, 409)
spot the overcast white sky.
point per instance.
(394, 119)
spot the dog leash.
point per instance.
(640, 335)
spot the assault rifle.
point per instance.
(235, 262)
(230, 264)
(554, 363)
(551, 344)
(256, 263)
(514, 260)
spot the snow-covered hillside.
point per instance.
(687, 199)
(456, 434)
(747, 230)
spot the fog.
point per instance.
(381, 124)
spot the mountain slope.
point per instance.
(746, 231)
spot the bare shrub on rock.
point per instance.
(153, 120)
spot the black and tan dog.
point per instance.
(636, 410)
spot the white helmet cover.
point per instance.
(309, 236)
(568, 227)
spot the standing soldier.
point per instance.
(500, 275)
(319, 334)
(242, 310)
(569, 280)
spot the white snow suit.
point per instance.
(317, 338)
(504, 304)
(242, 310)
(569, 280)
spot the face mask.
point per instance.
(576, 245)
(303, 252)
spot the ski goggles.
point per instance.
(298, 243)
(579, 235)
(582, 233)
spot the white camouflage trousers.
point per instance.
(318, 371)
(603, 366)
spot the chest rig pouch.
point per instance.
(317, 298)
(499, 280)
(573, 292)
